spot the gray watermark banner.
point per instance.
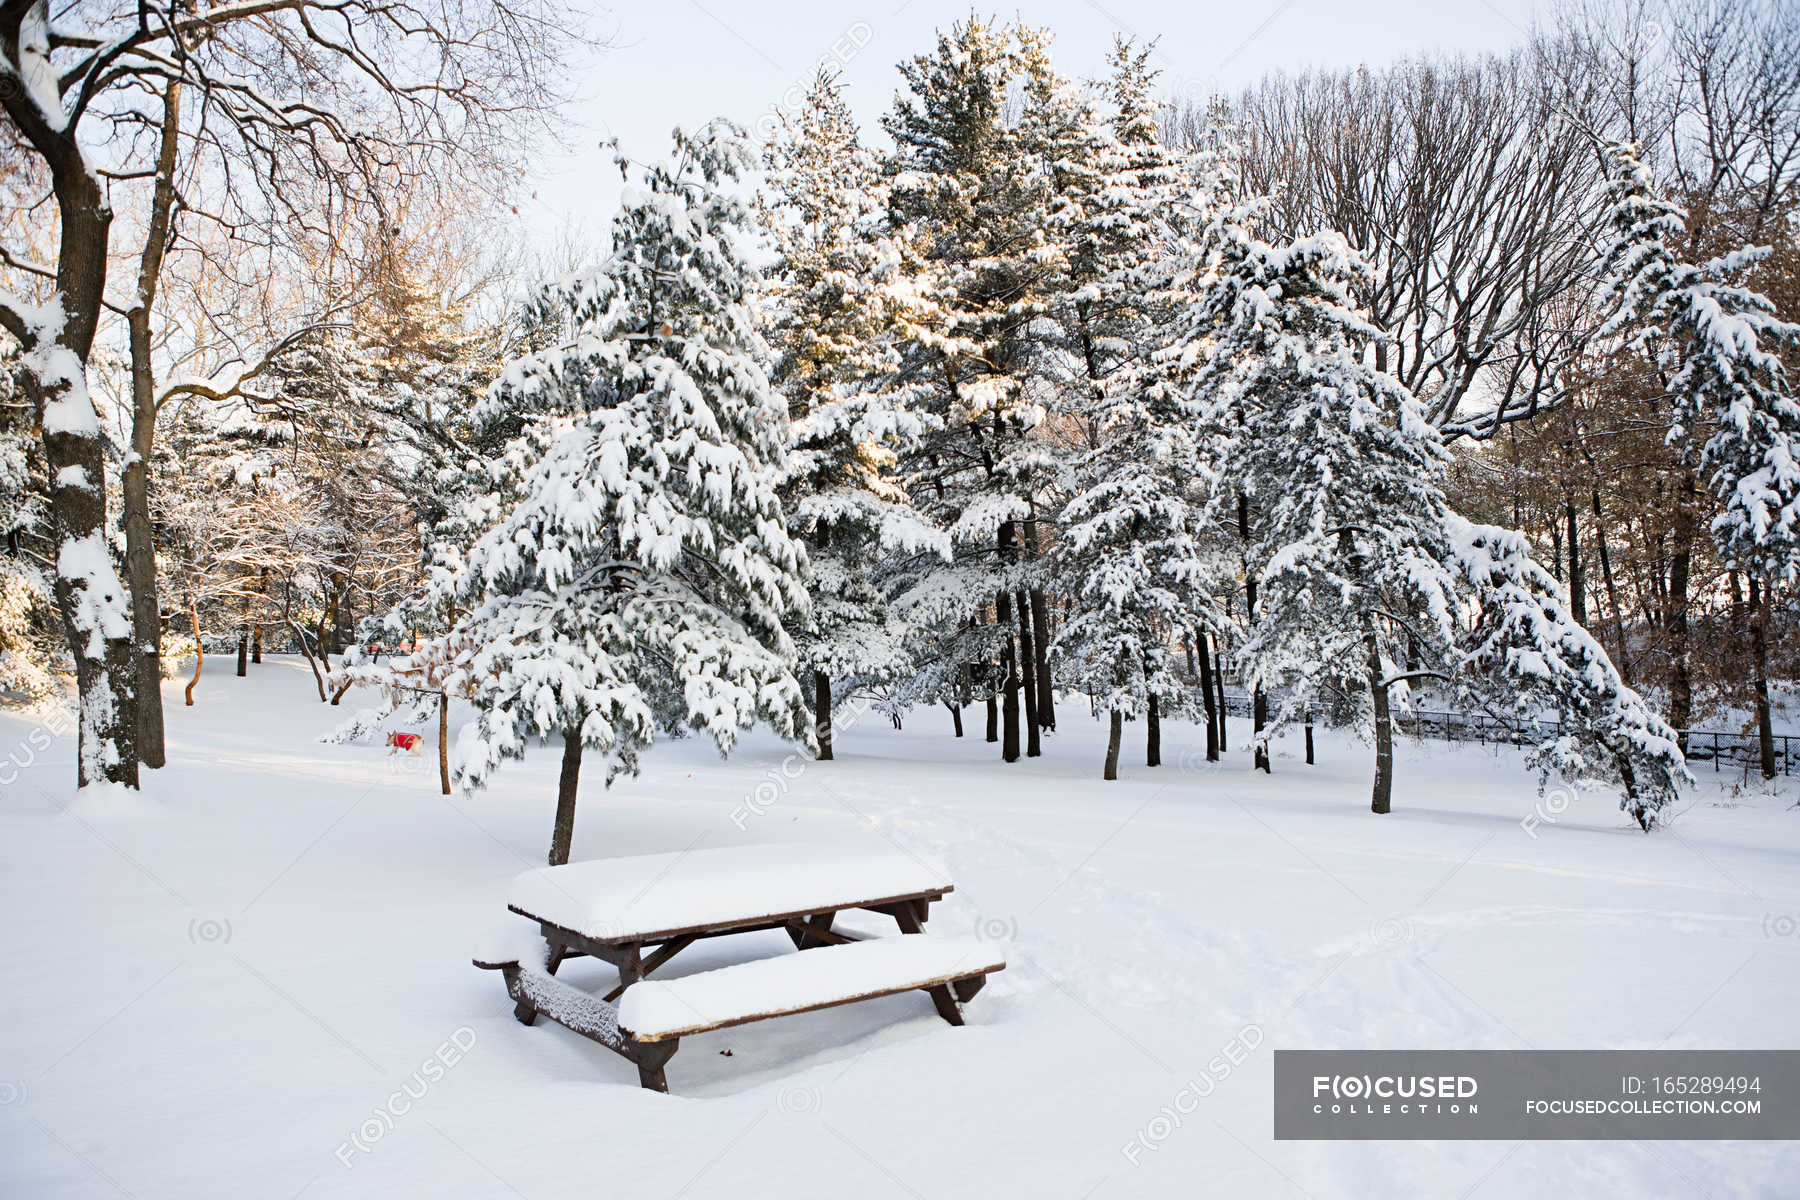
(1537, 1095)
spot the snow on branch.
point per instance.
(1525, 651)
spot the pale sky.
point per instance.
(684, 62)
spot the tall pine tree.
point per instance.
(971, 204)
(1734, 417)
(644, 580)
(1132, 550)
(841, 303)
(1367, 581)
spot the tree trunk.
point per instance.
(1046, 689)
(243, 668)
(444, 742)
(993, 717)
(1681, 683)
(323, 645)
(1009, 681)
(1383, 797)
(1556, 546)
(564, 834)
(307, 654)
(339, 640)
(1028, 665)
(822, 713)
(1577, 576)
(1219, 690)
(91, 599)
(1309, 742)
(140, 542)
(199, 655)
(1637, 810)
(1759, 669)
(956, 717)
(1259, 704)
(1208, 702)
(1153, 735)
(1112, 746)
(256, 642)
(134, 490)
(1259, 711)
(1612, 594)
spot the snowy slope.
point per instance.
(264, 989)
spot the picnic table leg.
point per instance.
(821, 922)
(650, 1058)
(631, 966)
(523, 1010)
(946, 1004)
(965, 989)
(907, 917)
(663, 954)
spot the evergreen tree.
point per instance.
(840, 303)
(1524, 651)
(1343, 475)
(1714, 345)
(971, 206)
(1132, 550)
(1120, 194)
(1193, 290)
(1131, 556)
(1714, 342)
(1366, 580)
(644, 580)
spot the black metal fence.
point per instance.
(1739, 751)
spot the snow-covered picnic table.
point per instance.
(616, 909)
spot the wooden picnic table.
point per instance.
(639, 912)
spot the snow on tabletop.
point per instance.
(609, 899)
(658, 1008)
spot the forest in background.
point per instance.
(993, 400)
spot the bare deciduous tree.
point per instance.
(265, 117)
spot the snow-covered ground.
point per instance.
(238, 995)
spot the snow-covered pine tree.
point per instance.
(1158, 317)
(840, 303)
(1715, 342)
(1367, 580)
(429, 361)
(1342, 473)
(1130, 556)
(1130, 551)
(1521, 649)
(352, 478)
(970, 204)
(644, 580)
(1735, 419)
(1118, 191)
(1208, 232)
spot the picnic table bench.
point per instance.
(639, 912)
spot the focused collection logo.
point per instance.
(1394, 1095)
(1537, 1095)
